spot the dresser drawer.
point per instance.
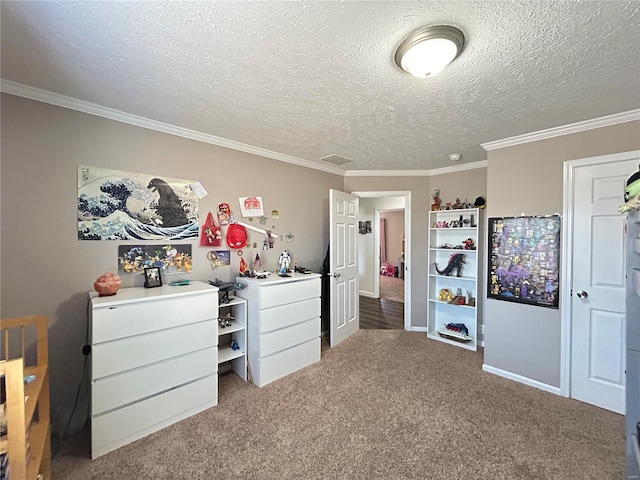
(285, 315)
(277, 340)
(286, 362)
(127, 319)
(122, 426)
(282, 294)
(133, 352)
(122, 389)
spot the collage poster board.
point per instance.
(524, 260)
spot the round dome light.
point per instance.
(427, 51)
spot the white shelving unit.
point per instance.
(236, 359)
(468, 284)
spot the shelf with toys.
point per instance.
(454, 277)
(232, 336)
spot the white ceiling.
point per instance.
(311, 79)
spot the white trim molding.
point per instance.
(520, 379)
(600, 122)
(386, 173)
(458, 168)
(32, 93)
(362, 293)
(415, 173)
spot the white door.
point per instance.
(343, 266)
(598, 285)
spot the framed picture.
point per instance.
(524, 260)
(152, 277)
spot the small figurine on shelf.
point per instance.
(455, 263)
(457, 327)
(436, 200)
(470, 300)
(284, 262)
(469, 244)
(445, 295)
(234, 345)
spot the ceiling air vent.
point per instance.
(336, 160)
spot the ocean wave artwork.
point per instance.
(117, 205)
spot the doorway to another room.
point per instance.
(383, 260)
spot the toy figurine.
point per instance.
(226, 321)
(436, 200)
(445, 295)
(284, 262)
(631, 194)
(458, 327)
(234, 345)
(455, 262)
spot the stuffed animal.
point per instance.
(631, 194)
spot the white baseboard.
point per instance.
(367, 294)
(418, 329)
(520, 379)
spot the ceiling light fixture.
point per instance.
(428, 50)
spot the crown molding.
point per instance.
(458, 168)
(386, 173)
(415, 173)
(33, 93)
(600, 122)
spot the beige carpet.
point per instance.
(391, 288)
(384, 404)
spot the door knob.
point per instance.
(336, 275)
(582, 294)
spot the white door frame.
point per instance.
(567, 256)
(407, 245)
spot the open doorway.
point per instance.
(391, 255)
(383, 246)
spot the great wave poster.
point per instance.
(116, 205)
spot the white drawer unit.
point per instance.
(154, 360)
(283, 326)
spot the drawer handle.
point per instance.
(112, 308)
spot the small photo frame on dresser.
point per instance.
(152, 277)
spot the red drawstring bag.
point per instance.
(236, 236)
(210, 236)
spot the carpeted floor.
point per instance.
(384, 404)
(391, 288)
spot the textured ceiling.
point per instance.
(311, 79)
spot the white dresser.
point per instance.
(283, 329)
(154, 360)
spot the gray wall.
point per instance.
(46, 270)
(528, 178)
(394, 227)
